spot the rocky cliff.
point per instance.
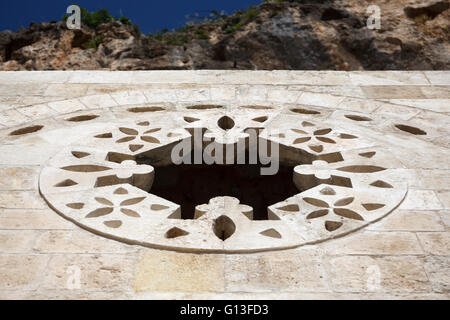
(296, 34)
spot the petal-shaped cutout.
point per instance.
(135, 147)
(316, 148)
(131, 202)
(204, 107)
(317, 214)
(130, 213)
(86, 168)
(145, 109)
(121, 191)
(381, 184)
(347, 136)
(261, 119)
(190, 119)
(344, 202)
(316, 202)
(332, 225)
(114, 224)
(372, 206)
(76, 206)
(290, 208)
(271, 233)
(104, 201)
(322, 132)
(307, 124)
(26, 130)
(326, 140)
(300, 131)
(66, 183)
(357, 118)
(368, 154)
(150, 139)
(347, 213)
(409, 129)
(158, 207)
(173, 134)
(128, 131)
(152, 130)
(305, 111)
(125, 139)
(100, 212)
(301, 140)
(82, 118)
(144, 124)
(176, 233)
(362, 169)
(104, 136)
(80, 155)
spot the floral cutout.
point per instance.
(137, 137)
(317, 139)
(339, 208)
(109, 207)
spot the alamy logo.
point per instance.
(204, 149)
(74, 20)
(374, 20)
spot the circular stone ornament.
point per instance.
(348, 179)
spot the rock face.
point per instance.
(301, 34)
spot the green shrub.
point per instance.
(94, 19)
(236, 27)
(125, 20)
(93, 43)
(242, 18)
(249, 15)
(201, 34)
(175, 39)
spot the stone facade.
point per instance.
(369, 156)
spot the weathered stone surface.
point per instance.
(421, 200)
(21, 271)
(373, 274)
(408, 220)
(12, 241)
(444, 197)
(435, 243)
(24, 219)
(438, 272)
(18, 178)
(409, 245)
(377, 243)
(97, 272)
(289, 271)
(77, 241)
(21, 200)
(163, 271)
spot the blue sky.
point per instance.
(150, 15)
